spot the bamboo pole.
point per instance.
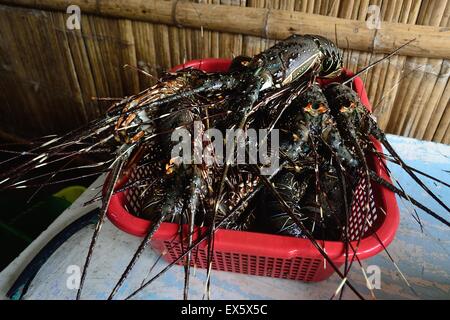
(174, 41)
(422, 84)
(214, 40)
(426, 102)
(29, 89)
(229, 44)
(275, 24)
(443, 132)
(253, 45)
(389, 12)
(370, 77)
(74, 78)
(346, 12)
(444, 121)
(409, 14)
(432, 111)
(407, 86)
(384, 100)
(410, 87)
(437, 117)
(446, 139)
(130, 78)
(83, 70)
(145, 53)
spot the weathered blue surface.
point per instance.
(422, 257)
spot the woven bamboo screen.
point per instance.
(49, 74)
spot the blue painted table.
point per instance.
(423, 257)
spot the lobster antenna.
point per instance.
(374, 177)
(370, 66)
(144, 243)
(415, 170)
(145, 73)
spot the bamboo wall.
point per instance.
(49, 74)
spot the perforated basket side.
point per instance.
(303, 268)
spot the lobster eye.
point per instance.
(348, 108)
(315, 108)
(327, 64)
(343, 109)
(309, 107)
(321, 108)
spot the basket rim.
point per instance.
(269, 245)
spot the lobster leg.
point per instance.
(172, 207)
(115, 172)
(193, 207)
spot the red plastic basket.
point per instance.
(265, 254)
